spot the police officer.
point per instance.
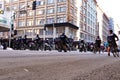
(64, 38)
(37, 39)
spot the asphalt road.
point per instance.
(53, 65)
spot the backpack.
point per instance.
(110, 39)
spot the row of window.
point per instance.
(42, 11)
(34, 32)
(87, 37)
(39, 12)
(40, 2)
(30, 22)
(88, 28)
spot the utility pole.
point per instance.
(12, 31)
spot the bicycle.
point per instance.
(113, 49)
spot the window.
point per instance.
(38, 3)
(50, 11)
(61, 9)
(13, 0)
(61, 19)
(61, 0)
(50, 1)
(0, 5)
(72, 11)
(7, 8)
(39, 12)
(29, 22)
(60, 30)
(22, 6)
(29, 32)
(21, 23)
(29, 4)
(36, 31)
(7, 1)
(13, 7)
(22, 15)
(20, 32)
(49, 31)
(30, 13)
(41, 31)
(50, 20)
(40, 21)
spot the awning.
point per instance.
(4, 28)
(61, 25)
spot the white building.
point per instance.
(103, 24)
(116, 31)
(88, 20)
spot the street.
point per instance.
(53, 65)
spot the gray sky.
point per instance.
(111, 8)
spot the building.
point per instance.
(88, 20)
(103, 24)
(53, 16)
(111, 23)
(117, 32)
(4, 22)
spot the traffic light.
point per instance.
(34, 5)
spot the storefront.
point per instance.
(4, 25)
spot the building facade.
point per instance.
(117, 32)
(88, 20)
(111, 23)
(55, 16)
(4, 22)
(103, 24)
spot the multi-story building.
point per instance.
(117, 32)
(88, 20)
(4, 23)
(56, 16)
(103, 23)
(111, 23)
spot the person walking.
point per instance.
(98, 43)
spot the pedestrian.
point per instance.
(98, 43)
(112, 38)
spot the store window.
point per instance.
(29, 32)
